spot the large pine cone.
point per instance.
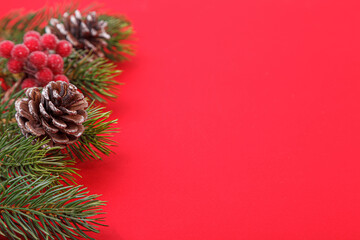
(83, 33)
(57, 113)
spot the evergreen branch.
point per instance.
(15, 24)
(5, 74)
(96, 138)
(94, 77)
(20, 156)
(7, 114)
(120, 29)
(37, 209)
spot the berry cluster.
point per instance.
(39, 57)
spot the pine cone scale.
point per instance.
(67, 111)
(43, 112)
(22, 109)
(59, 138)
(71, 129)
(34, 128)
(55, 110)
(20, 121)
(59, 123)
(48, 127)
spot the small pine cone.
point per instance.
(56, 113)
(83, 33)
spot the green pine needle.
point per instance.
(8, 77)
(37, 209)
(7, 114)
(15, 24)
(36, 200)
(96, 138)
(94, 77)
(20, 156)
(120, 30)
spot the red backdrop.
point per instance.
(240, 120)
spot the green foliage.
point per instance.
(96, 138)
(37, 209)
(94, 77)
(119, 28)
(36, 198)
(20, 156)
(15, 24)
(9, 78)
(7, 114)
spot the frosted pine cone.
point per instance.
(56, 113)
(83, 33)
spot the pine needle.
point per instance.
(94, 77)
(20, 156)
(37, 209)
(96, 139)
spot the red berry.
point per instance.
(61, 78)
(64, 48)
(20, 52)
(15, 66)
(32, 44)
(49, 41)
(29, 82)
(44, 76)
(59, 72)
(38, 59)
(34, 34)
(5, 48)
(55, 62)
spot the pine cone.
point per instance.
(86, 34)
(57, 113)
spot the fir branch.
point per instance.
(5, 74)
(15, 24)
(120, 29)
(20, 156)
(96, 138)
(7, 114)
(94, 77)
(39, 210)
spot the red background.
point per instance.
(240, 120)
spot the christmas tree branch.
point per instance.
(96, 138)
(37, 200)
(120, 29)
(7, 114)
(20, 156)
(94, 77)
(37, 209)
(15, 24)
